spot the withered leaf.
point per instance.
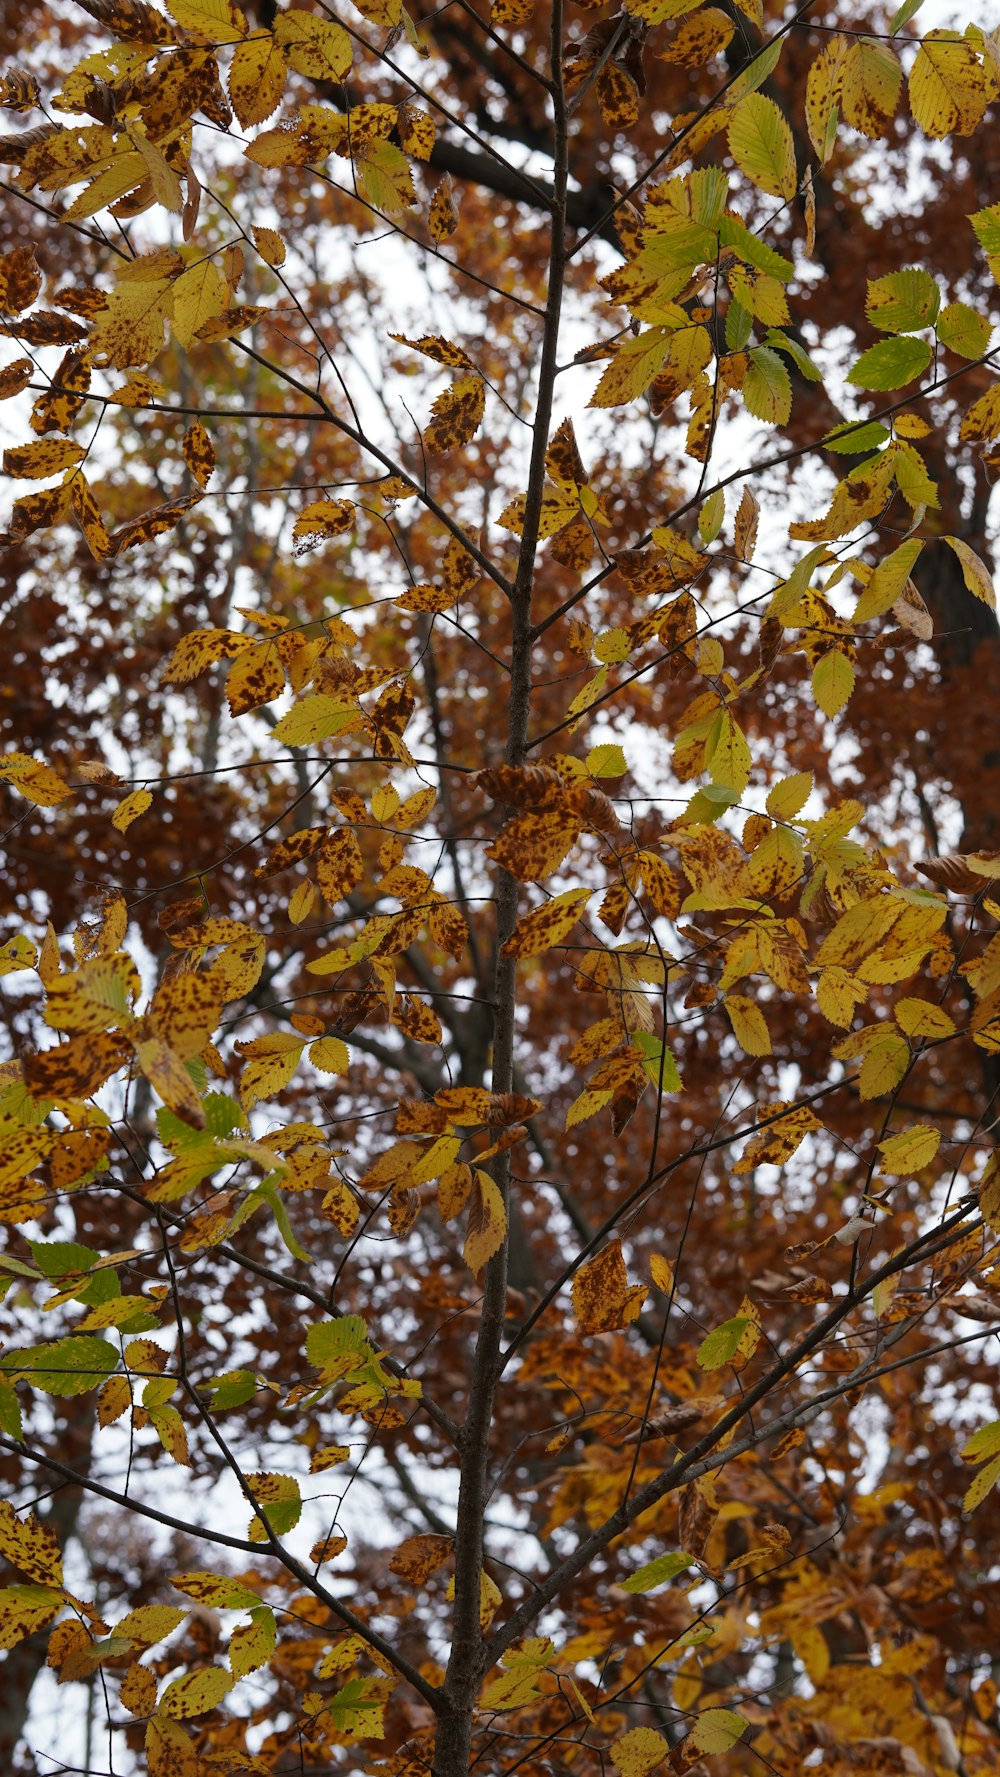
(603, 1298)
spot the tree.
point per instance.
(501, 973)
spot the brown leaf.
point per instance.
(603, 1299)
(293, 850)
(618, 97)
(20, 280)
(339, 866)
(76, 1068)
(256, 677)
(457, 415)
(420, 1556)
(563, 462)
(442, 217)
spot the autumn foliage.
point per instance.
(500, 769)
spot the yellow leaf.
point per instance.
(87, 514)
(416, 131)
(185, 1012)
(822, 95)
(169, 1751)
(169, 1077)
(164, 181)
(150, 1623)
(975, 573)
(339, 864)
(214, 21)
(716, 1730)
(199, 650)
(632, 369)
(639, 1751)
(316, 718)
(316, 47)
(196, 1693)
(271, 1062)
(587, 1104)
(269, 243)
(256, 78)
(130, 808)
(35, 781)
(947, 86)
(330, 1055)
(662, 1272)
(487, 1225)
(420, 1556)
(883, 1066)
(199, 293)
(885, 585)
(138, 1691)
(921, 1018)
(23, 1610)
(18, 953)
(252, 1644)
(129, 329)
(870, 84)
(910, 1150)
(983, 1484)
(749, 1026)
(30, 1546)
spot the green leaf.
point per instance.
(10, 1410)
(832, 682)
(222, 1115)
(358, 1707)
(760, 142)
(722, 1344)
(799, 356)
(887, 582)
(658, 1061)
(857, 440)
(58, 1258)
(272, 1198)
(739, 326)
(215, 1590)
(987, 226)
(337, 1346)
(711, 516)
(903, 16)
(734, 233)
(903, 301)
(606, 760)
(767, 387)
(759, 70)
(233, 1389)
(891, 364)
(963, 330)
(64, 1367)
(657, 1573)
